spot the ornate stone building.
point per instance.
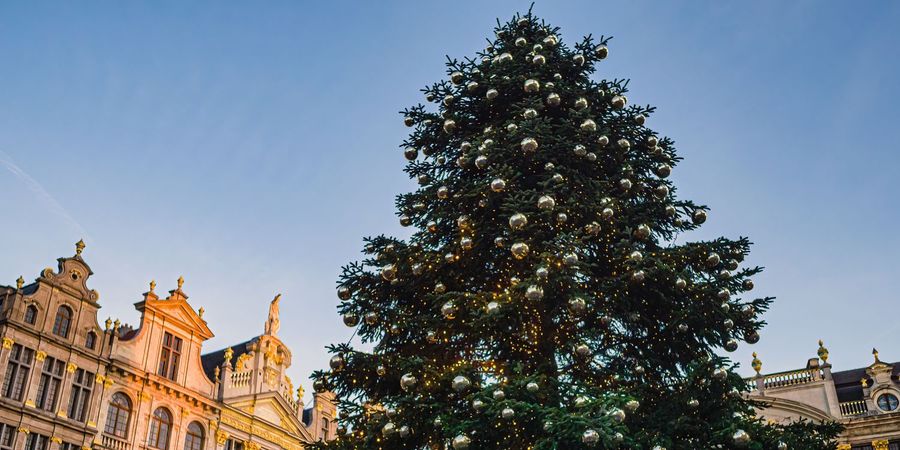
(864, 400)
(69, 383)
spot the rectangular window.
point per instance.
(80, 398)
(233, 444)
(325, 428)
(17, 371)
(36, 441)
(48, 387)
(168, 358)
(7, 436)
(69, 446)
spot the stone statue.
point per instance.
(274, 323)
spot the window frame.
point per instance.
(160, 432)
(170, 356)
(194, 439)
(18, 370)
(30, 316)
(80, 395)
(125, 409)
(50, 384)
(62, 324)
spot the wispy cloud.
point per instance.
(42, 195)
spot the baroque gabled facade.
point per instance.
(866, 400)
(70, 383)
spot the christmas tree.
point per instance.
(542, 301)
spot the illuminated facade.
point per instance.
(71, 384)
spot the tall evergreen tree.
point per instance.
(542, 301)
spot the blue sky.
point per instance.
(251, 147)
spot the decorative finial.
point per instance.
(823, 352)
(200, 312)
(228, 354)
(216, 373)
(108, 323)
(19, 283)
(864, 383)
(875, 354)
(152, 286)
(116, 324)
(756, 363)
(300, 392)
(180, 282)
(79, 247)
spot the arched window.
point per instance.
(91, 340)
(194, 438)
(62, 322)
(160, 428)
(118, 415)
(31, 314)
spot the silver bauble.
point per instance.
(539, 60)
(782, 446)
(748, 285)
(498, 185)
(582, 350)
(546, 202)
(492, 94)
(550, 40)
(461, 442)
(418, 269)
(534, 293)
(403, 431)
(499, 395)
(443, 192)
(720, 374)
(632, 405)
(517, 221)
(438, 422)
(577, 306)
(663, 170)
(683, 328)
(505, 57)
(492, 307)
(448, 310)
(625, 184)
(724, 294)
(741, 438)
(531, 85)
(580, 401)
(731, 345)
(603, 141)
(500, 241)
(481, 162)
(388, 272)
(570, 259)
(530, 113)
(423, 179)
(477, 405)
(580, 150)
(661, 191)
(542, 272)
(713, 260)
(456, 77)
(602, 51)
(449, 125)
(410, 153)
(466, 243)
(618, 101)
(532, 387)
(642, 232)
(461, 383)
(529, 145)
(553, 99)
(591, 156)
(370, 318)
(405, 221)
(581, 103)
(557, 178)
(472, 86)
(408, 382)
(752, 337)
(638, 276)
(618, 415)
(409, 121)
(636, 256)
(640, 119)
(520, 42)
(519, 250)
(693, 403)
(388, 429)
(507, 413)
(624, 143)
(448, 100)
(336, 362)
(351, 320)
(699, 217)
(562, 218)
(728, 324)
(343, 293)
(578, 59)
(589, 126)
(607, 213)
(547, 425)
(652, 141)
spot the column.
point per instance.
(5, 351)
(33, 377)
(65, 391)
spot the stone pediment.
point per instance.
(175, 308)
(71, 277)
(271, 408)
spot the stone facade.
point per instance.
(70, 383)
(865, 400)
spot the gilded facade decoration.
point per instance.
(147, 387)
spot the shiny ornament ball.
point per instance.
(607, 213)
(481, 162)
(699, 217)
(748, 285)
(507, 413)
(443, 192)
(693, 403)
(492, 308)
(603, 141)
(505, 57)
(782, 446)
(461, 442)
(661, 191)
(577, 306)
(534, 293)
(499, 395)
(351, 320)
(557, 178)
(731, 345)
(618, 101)
(580, 150)
(728, 324)
(562, 218)
(319, 385)
(652, 141)
(752, 337)
(682, 328)
(472, 86)
(624, 143)
(530, 113)
(551, 40)
(449, 125)
(589, 126)
(343, 293)
(582, 350)
(388, 272)
(370, 318)
(570, 259)
(336, 362)
(517, 221)
(405, 221)
(409, 121)
(724, 294)
(477, 405)
(625, 184)
(546, 202)
(632, 405)
(456, 77)
(448, 100)
(638, 276)
(498, 185)
(590, 437)
(602, 51)
(512, 127)
(500, 241)
(410, 153)
(423, 179)
(578, 59)
(531, 85)
(663, 170)
(680, 283)
(642, 232)
(466, 243)
(532, 387)
(529, 145)
(388, 429)
(713, 260)
(521, 42)
(640, 119)
(461, 383)
(408, 382)
(519, 250)
(553, 99)
(741, 438)
(618, 415)
(591, 156)
(581, 103)
(580, 401)
(720, 374)
(418, 269)
(539, 60)
(542, 272)
(492, 94)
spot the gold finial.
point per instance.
(116, 324)
(300, 392)
(152, 286)
(216, 373)
(823, 352)
(756, 363)
(20, 282)
(864, 383)
(228, 354)
(79, 247)
(180, 282)
(108, 323)
(200, 312)
(875, 354)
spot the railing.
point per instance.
(241, 378)
(114, 443)
(287, 395)
(853, 408)
(791, 378)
